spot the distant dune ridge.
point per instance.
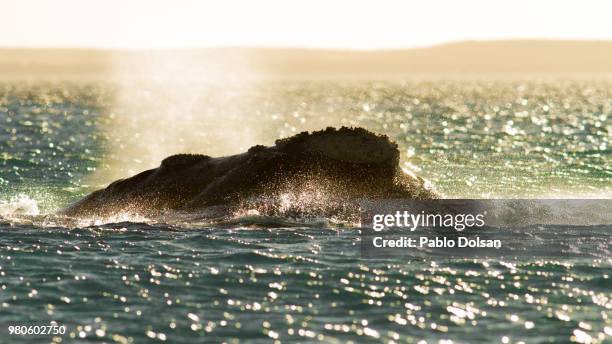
(512, 57)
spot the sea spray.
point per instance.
(19, 205)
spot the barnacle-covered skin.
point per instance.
(348, 163)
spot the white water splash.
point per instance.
(19, 205)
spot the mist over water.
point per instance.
(166, 104)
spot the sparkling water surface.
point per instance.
(133, 281)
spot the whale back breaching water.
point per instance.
(334, 165)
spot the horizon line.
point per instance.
(308, 48)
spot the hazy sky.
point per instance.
(350, 24)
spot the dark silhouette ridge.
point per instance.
(344, 164)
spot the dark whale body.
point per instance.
(346, 163)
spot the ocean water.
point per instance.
(130, 279)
